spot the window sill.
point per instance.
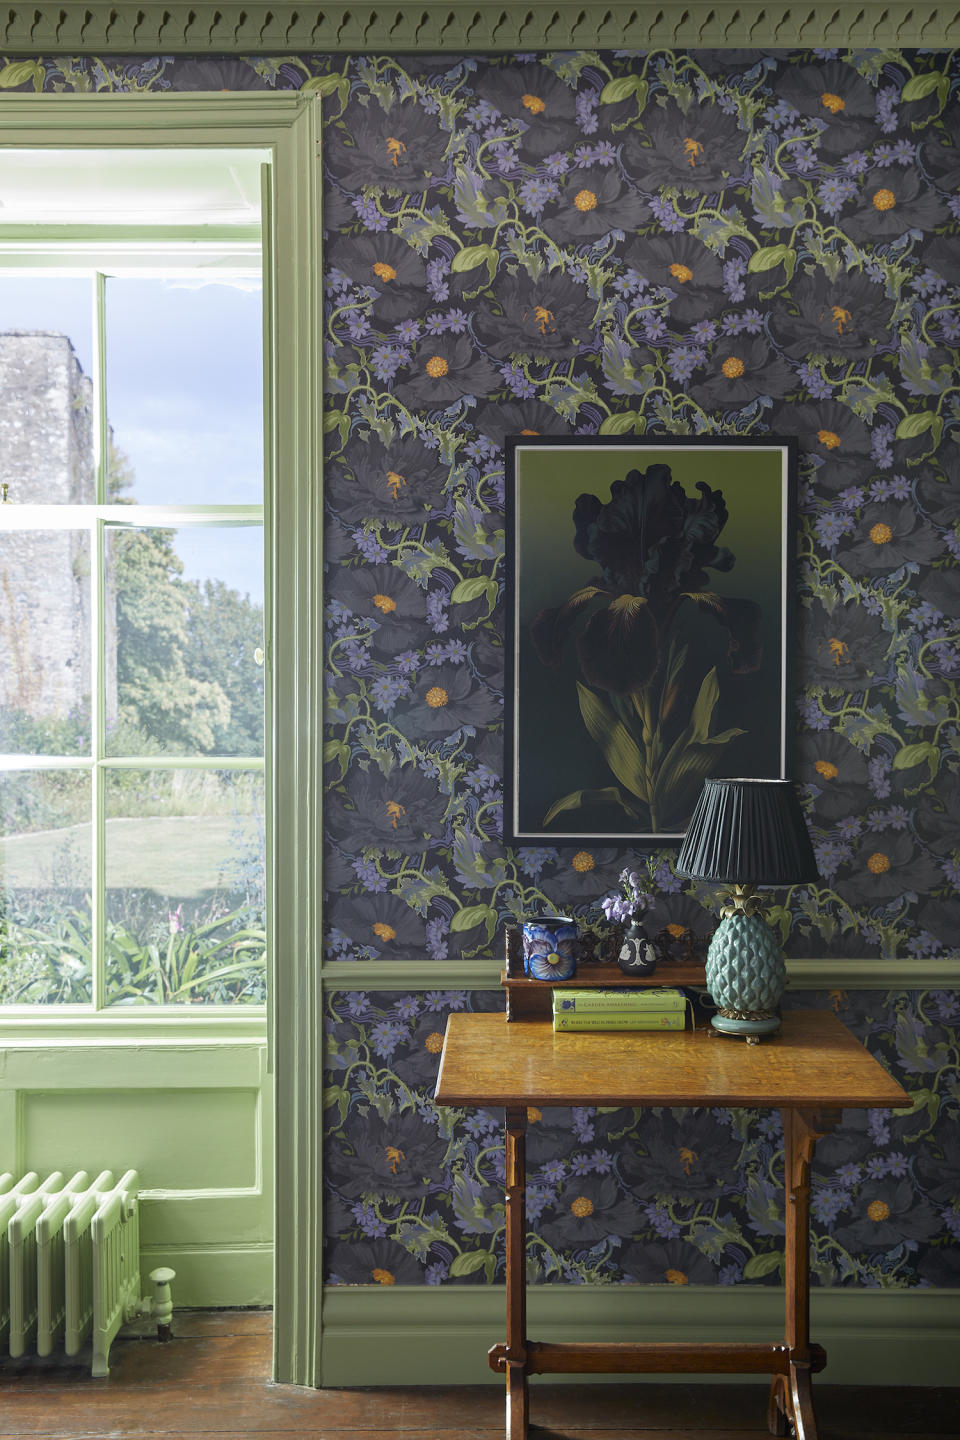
(79, 1025)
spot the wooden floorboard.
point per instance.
(212, 1381)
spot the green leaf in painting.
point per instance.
(609, 795)
(619, 748)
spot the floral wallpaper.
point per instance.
(628, 244)
(415, 1190)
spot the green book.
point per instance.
(635, 1001)
(620, 1020)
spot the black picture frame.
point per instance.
(630, 657)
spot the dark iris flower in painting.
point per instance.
(831, 432)
(388, 265)
(892, 202)
(737, 371)
(402, 148)
(391, 1157)
(589, 1208)
(543, 103)
(838, 97)
(591, 204)
(845, 649)
(443, 370)
(686, 1154)
(383, 922)
(550, 316)
(400, 811)
(683, 264)
(700, 149)
(886, 537)
(886, 864)
(884, 1214)
(446, 698)
(836, 773)
(673, 1262)
(523, 417)
(396, 604)
(371, 1262)
(396, 484)
(654, 545)
(845, 319)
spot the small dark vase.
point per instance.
(638, 955)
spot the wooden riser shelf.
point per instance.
(532, 999)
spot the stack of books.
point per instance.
(638, 1008)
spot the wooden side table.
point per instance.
(811, 1070)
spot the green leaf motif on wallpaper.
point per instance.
(760, 1265)
(20, 72)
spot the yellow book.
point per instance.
(620, 1020)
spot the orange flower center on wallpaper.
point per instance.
(839, 649)
(884, 200)
(384, 931)
(676, 1277)
(878, 864)
(437, 367)
(394, 812)
(829, 438)
(383, 1277)
(826, 769)
(395, 148)
(543, 319)
(693, 150)
(533, 103)
(687, 1159)
(394, 1156)
(878, 1210)
(881, 534)
(676, 930)
(732, 367)
(582, 1207)
(434, 1042)
(841, 319)
(683, 273)
(383, 271)
(585, 200)
(832, 102)
(437, 697)
(395, 482)
(534, 1113)
(384, 603)
(583, 861)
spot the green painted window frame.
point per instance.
(83, 252)
(287, 126)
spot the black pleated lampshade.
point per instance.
(748, 832)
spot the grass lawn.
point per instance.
(179, 856)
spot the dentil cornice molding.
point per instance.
(465, 26)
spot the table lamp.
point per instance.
(747, 833)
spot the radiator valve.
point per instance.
(160, 1305)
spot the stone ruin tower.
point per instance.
(47, 458)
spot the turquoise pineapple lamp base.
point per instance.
(745, 976)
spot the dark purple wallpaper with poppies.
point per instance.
(626, 244)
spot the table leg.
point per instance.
(791, 1395)
(516, 1245)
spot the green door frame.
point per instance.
(288, 125)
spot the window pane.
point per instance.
(45, 870)
(185, 887)
(45, 642)
(46, 393)
(186, 647)
(184, 390)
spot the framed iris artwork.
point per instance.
(649, 598)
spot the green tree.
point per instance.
(156, 691)
(225, 630)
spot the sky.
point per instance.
(184, 396)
